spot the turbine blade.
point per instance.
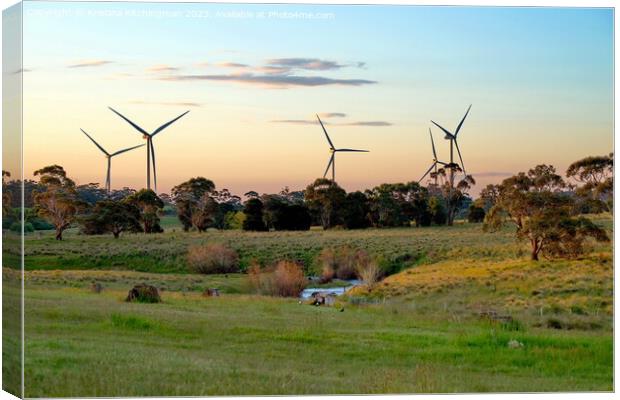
(125, 150)
(96, 144)
(167, 124)
(329, 164)
(358, 151)
(324, 130)
(433, 144)
(459, 152)
(142, 131)
(154, 167)
(458, 128)
(427, 172)
(448, 134)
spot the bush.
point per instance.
(289, 279)
(476, 214)
(327, 273)
(286, 279)
(17, 227)
(343, 261)
(212, 259)
(370, 273)
(143, 293)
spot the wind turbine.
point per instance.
(109, 156)
(435, 160)
(150, 149)
(452, 137)
(333, 150)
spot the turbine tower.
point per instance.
(435, 160)
(108, 183)
(150, 149)
(452, 137)
(333, 150)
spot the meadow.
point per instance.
(418, 331)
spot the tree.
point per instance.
(475, 213)
(325, 199)
(541, 212)
(488, 196)
(6, 195)
(253, 210)
(356, 209)
(596, 176)
(149, 205)
(58, 203)
(91, 193)
(112, 216)
(234, 220)
(190, 199)
(455, 197)
(398, 204)
(279, 214)
(437, 210)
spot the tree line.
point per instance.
(546, 209)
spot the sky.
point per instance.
(254, 76)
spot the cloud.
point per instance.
(89, 63)
(21, 70)
(368, 123)
(166, 103)
(313, 64)
(162, 68)
(232, 65)
(296, 121)
(313, 122)
(333, 115)
(278, 81)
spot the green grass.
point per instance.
(166, 253)
(85, 344)
(417, 331)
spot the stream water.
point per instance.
(337, 290)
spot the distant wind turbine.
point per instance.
(108, 180)
(435, 160)
(150, 149)
(452, 137)
(333, 150)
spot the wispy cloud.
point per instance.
(314, 122)
(296, 121)
(333, 115)
(89, 63)
(162, 68)
(368, 123)
(232, 65)
(277, 81)
(167, 103)
(314, 64)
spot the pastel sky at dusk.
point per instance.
(540, 81)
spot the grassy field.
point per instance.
(418, 331)
(165, 253)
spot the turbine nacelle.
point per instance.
(150, 149)
(333, 150)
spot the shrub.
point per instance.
(286, 279)
(212, 259)
(17, 227)
(369, 272)
(343, 261)
(289, 279)
(143, 293)
(327, 273)
(475, 214)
